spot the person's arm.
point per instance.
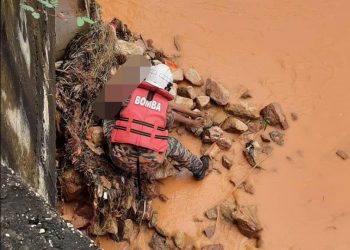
(179, 108)
(199, 122)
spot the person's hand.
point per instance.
(198, 122)
(200, 114)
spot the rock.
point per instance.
(187, 91)
(209, 231)
(72, 185)
(273, 113)
(226, 162)
(193, 77)
(197, 219)
(218, 93)
(204, 148)
(252, 152)
(243, 109)
(163, 197)
(178, 75)
(185, 102)
(224, 143)
(156, 62)
(207, 124)
(212, 214)
(164, 171)
(267, 149)
(264, 138)
(219, 117)
(232, 124)
(202, 101)
(227, 208)
(213, 247)
(255, 125)
(294, 116)
(179, 239)
(277, 137)
(248, 187)
(158, 242)
(129, 48)
(246, 94)
(342, 154)
(246, 220)
(212, 151)
(173, 90)
(212, 134)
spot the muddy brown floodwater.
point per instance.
(294, 52)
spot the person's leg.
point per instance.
(177, 152)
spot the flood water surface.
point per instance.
(296, 53)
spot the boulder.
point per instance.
(277, 137)
(178, 75)
(242, 109)
(193, 77)
(232, 124)
(217, 92)
(202, 101)
(209, 231)
(342, 154)
(274, 115)
(158, 242)
(185, 102)
(179, 239)
(212, 214)
(224, 143)
(252, 152)
(187, 91)
(245, 217)
(173, 90)
(227, 208)
(226, 162)
(219, 117)
(212, 134)
(213, 247)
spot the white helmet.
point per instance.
(160, 76)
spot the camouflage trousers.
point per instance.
(126, 156)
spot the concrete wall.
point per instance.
(27, 96)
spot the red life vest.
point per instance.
(142, 122)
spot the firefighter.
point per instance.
(139, 141)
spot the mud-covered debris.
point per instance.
(111, 226)
(219, 117)
(213, 247)
(105, 182)
(178, 75)
(209, 231)
(159, 242)
(187, 91)
(227, 208)
(245, 217)
(165, 171)
(95, 135)
(234, 125)
(277, 137)
(72, 184)
(128, 230)
(274, 114)
(129, 48)
(246, 94)
(265, 138)
(212, 214)
(217, 92)
(97, 150)
(252, 152)
(224, 143)
(342, 154)
(243, 109)
(179, 239)
(226, 162)
(193, 77)
(173, 90)
(185, 102)
(163, 198)
(294, 116)
(212, 151)
(202, 102)
(212, 134)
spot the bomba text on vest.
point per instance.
(142, 101)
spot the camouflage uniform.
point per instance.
(125, 155)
